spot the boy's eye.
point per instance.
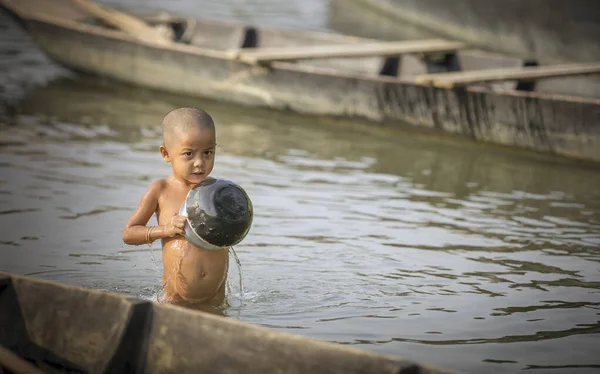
(187, 154)
(208, 153)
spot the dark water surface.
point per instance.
(473, 258)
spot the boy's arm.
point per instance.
(136, 231)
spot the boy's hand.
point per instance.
(176, 226)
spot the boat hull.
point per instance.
(541, 122)
(63, 328)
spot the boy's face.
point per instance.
(191, 153)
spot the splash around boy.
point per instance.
(190, 275)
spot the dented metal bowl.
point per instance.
(219, 214)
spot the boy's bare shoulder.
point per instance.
(156, 187)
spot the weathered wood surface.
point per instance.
(261, 55)
(98, 332)
(450, 80)
(128, 23)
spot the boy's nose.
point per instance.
(197, 161)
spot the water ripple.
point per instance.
(362, 235)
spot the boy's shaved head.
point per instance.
(182, 119)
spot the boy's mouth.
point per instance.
(200, 174)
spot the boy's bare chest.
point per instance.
(169, 203)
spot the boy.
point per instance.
(190, 274)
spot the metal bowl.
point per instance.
(219, 214)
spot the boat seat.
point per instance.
(366, 57)
(279, 38)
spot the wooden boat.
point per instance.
(398, 83)
(47, 327)
(542, 30)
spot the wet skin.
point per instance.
(190, 275)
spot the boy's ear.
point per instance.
(164, 153)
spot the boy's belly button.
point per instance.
(195, 275)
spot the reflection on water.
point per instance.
(409, 245)
(469, 257)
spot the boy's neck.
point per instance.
(182, 181)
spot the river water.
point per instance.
(473, 258)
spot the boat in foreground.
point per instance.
(48, 327)
(397, 83)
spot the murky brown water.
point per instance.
(473, 258)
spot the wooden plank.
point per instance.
(127, 23)
(262, 55)
(453, 79)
